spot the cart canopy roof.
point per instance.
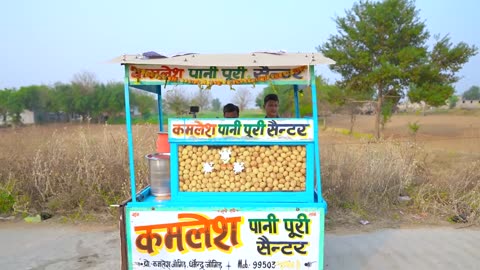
(254, 59)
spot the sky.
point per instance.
(48, 41)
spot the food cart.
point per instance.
(227, 193)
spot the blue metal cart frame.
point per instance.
(309, 200)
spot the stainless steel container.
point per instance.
(159, 173)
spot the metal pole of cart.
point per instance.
(129, 133)
(295, 94)
(159, 106)
(317, 158)
(315, 131)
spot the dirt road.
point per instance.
(53, 246)
(423, 248)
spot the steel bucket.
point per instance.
(159, 173)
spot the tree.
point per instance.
(115, 102)
(331, 98)
(35, 99)
(202, 99)
(4, 96)
(64, 99)
(86, 81)
(216, 104)
(176, 102)
(434, 79)
(242, 98)
(381, 51)
(84, 84)
(82, 100)
(144, 102)
(15, 106)
(473, 93)
(107, 100)
(452, 101)
(52, 103)
(259, 99)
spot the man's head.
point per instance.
(231, 111)
(270, 103)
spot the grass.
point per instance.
(439, 111)
(71, 168)
(367, 176)
(367, 179)
(78, 171)
(354, 134)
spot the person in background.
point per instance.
(270, 104)
(231, 111)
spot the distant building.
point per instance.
(367, 108)
(407, 106)
(27, 117)
(468, 104)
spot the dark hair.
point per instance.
(231, 108)
(269, 97)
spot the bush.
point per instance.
(72, 168)
(368, 176)
(451, 195)
(6, 202)
(65, 169)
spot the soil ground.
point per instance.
(449, 140)
(453, 133)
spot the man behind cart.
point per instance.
(231, 111)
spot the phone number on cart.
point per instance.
(263, 265)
